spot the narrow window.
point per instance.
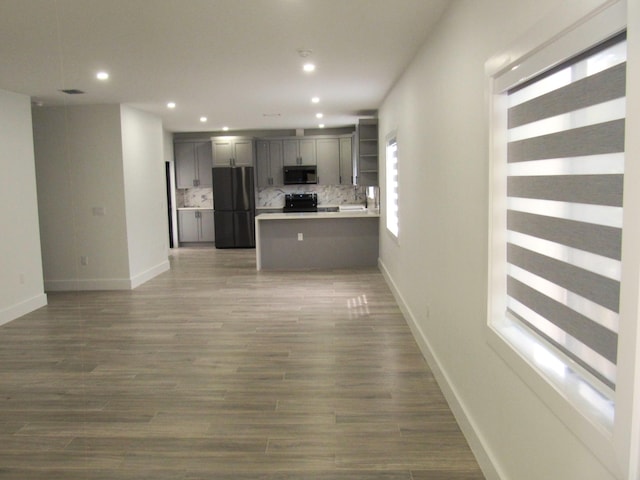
(392, 186)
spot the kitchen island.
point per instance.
(312, 240)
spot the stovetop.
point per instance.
(300, 202)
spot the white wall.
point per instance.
(21, 286)
(92, 160)
(145, 194)
(79, 168)
(439, 266)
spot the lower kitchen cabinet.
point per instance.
(195, 226)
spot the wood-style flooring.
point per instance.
(215, 371)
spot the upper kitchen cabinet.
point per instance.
(346, 160)
(328, 157)
(299, 151)
(269, 162)
(367, 164)
(232, 152)
(193, 164)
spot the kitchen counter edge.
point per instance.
(315, 215)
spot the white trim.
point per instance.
(88, 284)
(565, 28)
(147, 275)
(479, 446)
(22, 308)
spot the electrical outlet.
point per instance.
(300, 237)
(22, 279)
(84, 260)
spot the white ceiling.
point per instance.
(233, 61)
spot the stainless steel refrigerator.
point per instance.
(234, 207)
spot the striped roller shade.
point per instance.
(564, 206)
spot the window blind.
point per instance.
(392, 187)
(565, 167)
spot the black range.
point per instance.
(300, 202)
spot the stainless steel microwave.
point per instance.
(295, 175)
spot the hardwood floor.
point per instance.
(216, 371)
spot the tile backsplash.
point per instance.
(274, 196)
(194, 197)
(327, 194)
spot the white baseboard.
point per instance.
(22, 308)
(147, 275)
(77, 284)
(467, 425)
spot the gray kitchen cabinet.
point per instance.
(328, 158)
(299, 151)
(233, 152)
(193, 162)
(269, 162)
(195, 226)
(346, 160)
(367, 165)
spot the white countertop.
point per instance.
(194, 208)
(324, 206)
(316, 215)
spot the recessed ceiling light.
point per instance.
(308, 67)
(203, 119)
(225, 129)
(102, 76)
(319, 115)
(321, 125)
(315, 100)
(171, 105)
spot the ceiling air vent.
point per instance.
(72, 91)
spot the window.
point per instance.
(392, 186)
(556, 224)
(565, 165)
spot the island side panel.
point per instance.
(327, 243)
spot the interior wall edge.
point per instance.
(22, 308)
(150, 273)
(486, 460)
